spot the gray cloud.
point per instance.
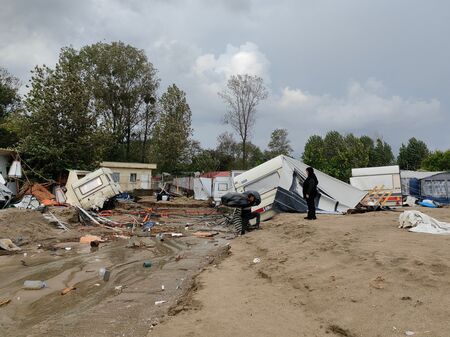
(374, 67)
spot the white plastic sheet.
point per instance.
(419, 222)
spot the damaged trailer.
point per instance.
(279, 181)
(93, 190)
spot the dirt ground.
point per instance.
(352, 275)
(122, 306)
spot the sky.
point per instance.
(379, 68)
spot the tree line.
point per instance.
(101, 102)
(336, 154)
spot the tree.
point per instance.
(59, 130)
(10, 103)
(204, 160)
(437, 161)
(382, 154)
(255, 155)
(352, 156)
(242, 95)
(227, 152)
(337, 154)
(124, 85)
(410, 156)
(314, 152)
(97, 103)
(279, 144)
(171, 137)
(334, 147)
(369, 147)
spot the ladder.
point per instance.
(377, 197)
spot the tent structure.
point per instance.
(436, 187)
(279, 181)
(411, 181)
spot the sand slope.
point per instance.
(353, 275)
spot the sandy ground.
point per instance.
(353, 275)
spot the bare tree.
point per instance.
(242, 95)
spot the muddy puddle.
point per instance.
(122, 306)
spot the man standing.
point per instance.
(310, 193)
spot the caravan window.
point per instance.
(91, 185)
(222, 187)
(264, 184)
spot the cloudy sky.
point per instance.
(379, 67)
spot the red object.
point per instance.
(216, 174)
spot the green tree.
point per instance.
(353, 155)
(171, 137)
(227, 152)
(382, 154)
(60, 129)
(314, 153)
(369, 147)
(255, 155)
(334, 148)
(437, 161)
(279, 144)
(124, 85)
(336, 154)
(97, 103)
(242, 95)
(10, 103)
(204, 160)
(410, 156)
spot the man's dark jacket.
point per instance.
(310, 186)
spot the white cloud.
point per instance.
(245, 59)
(363, 105)
(312, 54)
(364, 108)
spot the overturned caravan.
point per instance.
(279, 181)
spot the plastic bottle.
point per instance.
(33, 285)
(104, 274)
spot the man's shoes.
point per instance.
(307, 218)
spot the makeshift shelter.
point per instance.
(436, 187)
(410, 181)
(279, 181)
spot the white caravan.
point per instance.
(385, 179)
(93, 190)
(214, 188)
(279, 181)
